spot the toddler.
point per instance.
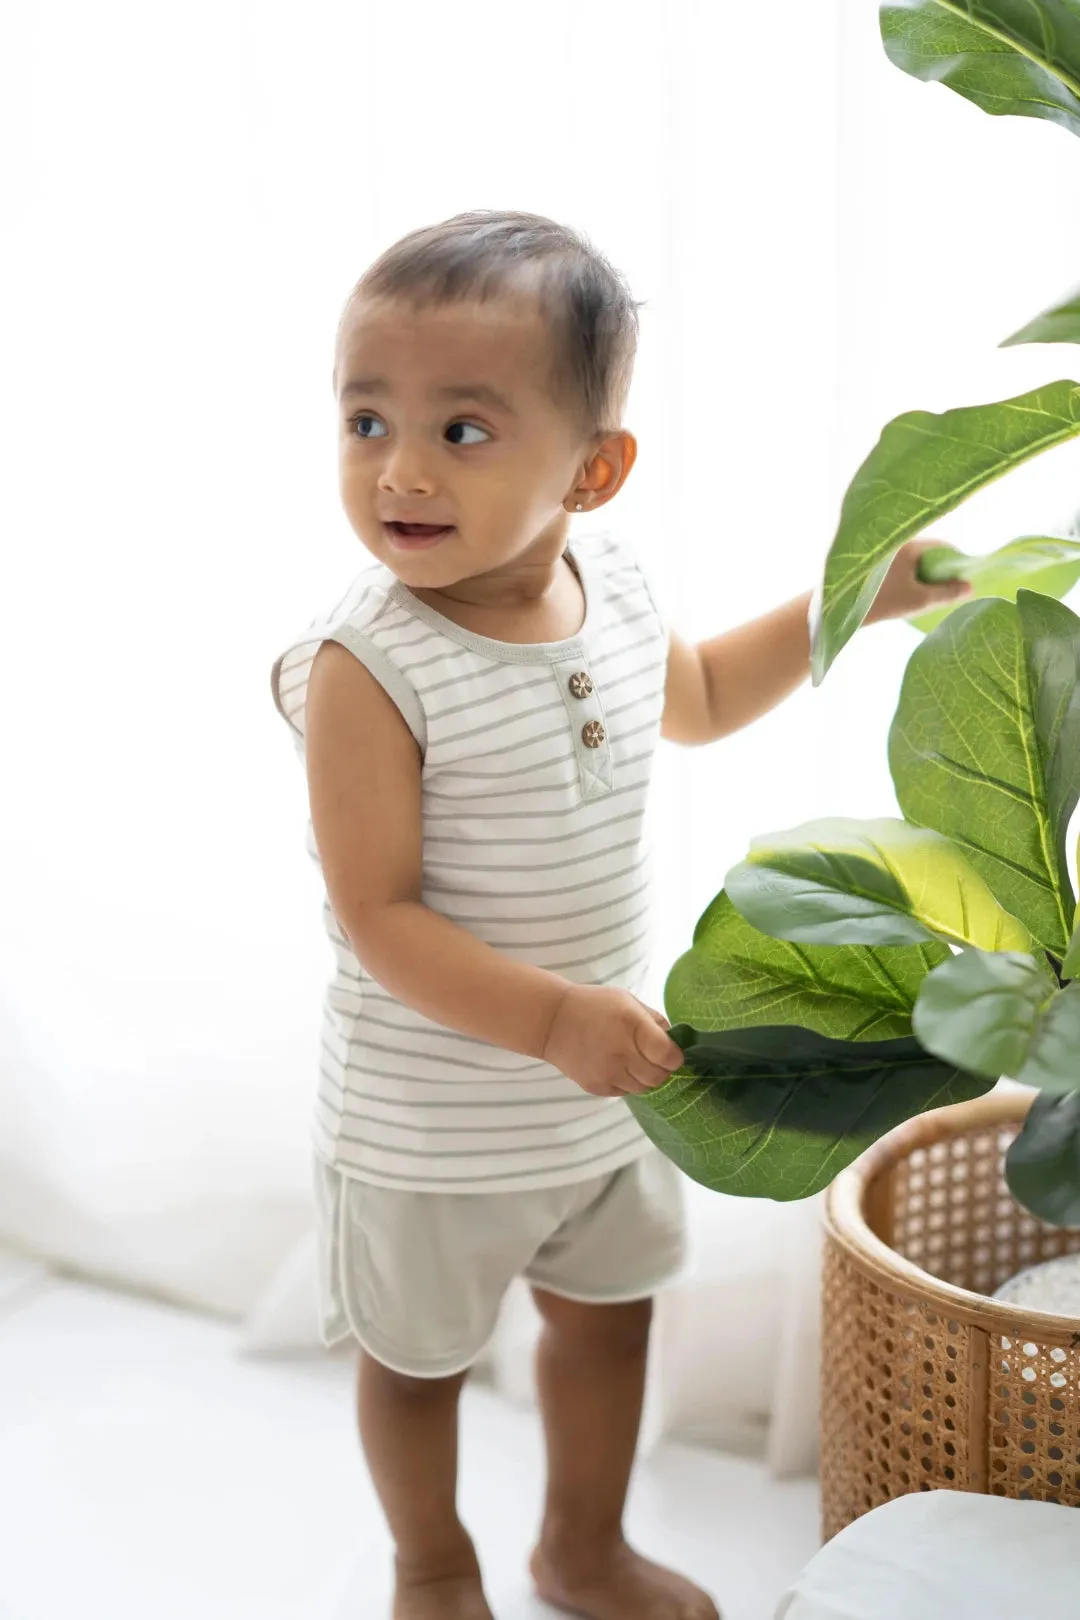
(479, 719)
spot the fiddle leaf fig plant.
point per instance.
(922, 467)
(854, 973)
(1007, 56)
(1058, 324)
(1043, 563)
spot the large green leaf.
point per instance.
(1007, 56)
(1053, 1057)
(1042, 1167)
(1058, 324)
(734, 977)
(778, 1112)
(883, 882)
(922, 467)
(1002, 1014)
(1035, 562)
(1070, 967)
(985, 748)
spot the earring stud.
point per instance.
(578, 507)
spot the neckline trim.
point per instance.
(513, 652)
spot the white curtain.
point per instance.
(191, 195)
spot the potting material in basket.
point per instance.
(1053, 1286)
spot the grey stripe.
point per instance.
(365, 592)
(471, 1153)
(529, 843)
(515, 771)
(655, 704)
(620, 652)
(470, 1130)
(486, 671)
(483, 1103)
(562, 967)
(534, 894)
(647, 612)
(559, 916)
(363, 1014)
(468, 803)
(509, 1078)
(628, 595)
(553, 866)
(636, 731)
(523, 1176)
(633, 674)
(336, 1083)
(293, 686)
(569, 939)
(406, 1094)
(551, 706)
(531, 815)
(583, 961)
(492, 697)
(452, 651)
(387, 1002)
(367, 1045)
(392, 640)
(506, 749)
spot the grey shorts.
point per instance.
(418, 1278)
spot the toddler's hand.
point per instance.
(904, 594)
(609, 1043)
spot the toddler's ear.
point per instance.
(609, 467)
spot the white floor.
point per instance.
(149, 1473)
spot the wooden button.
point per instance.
(580, 685)
(592, 734)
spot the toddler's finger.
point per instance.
(657, 1046)
(641, 1078)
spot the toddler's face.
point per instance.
(447, 420)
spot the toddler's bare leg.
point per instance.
(591, 1372)
(409, 1427)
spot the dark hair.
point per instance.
(484, 254)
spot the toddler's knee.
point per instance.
(613, 1329)
(405, 1387)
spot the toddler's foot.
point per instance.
(446, 1595)
(618, 1585)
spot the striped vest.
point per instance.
(536, 766)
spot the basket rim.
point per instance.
(846, 1225)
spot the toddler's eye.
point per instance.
(467, 427)
(371, 422)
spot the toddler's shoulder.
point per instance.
(365, 620)
(627, 577)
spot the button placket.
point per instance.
(590, 733)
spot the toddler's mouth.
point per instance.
(412, 536)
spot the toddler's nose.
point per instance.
(405, 472)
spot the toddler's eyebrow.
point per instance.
(482, 393)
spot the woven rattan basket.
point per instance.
(927, 1383)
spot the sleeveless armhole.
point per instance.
(389, 678)
(292, 671)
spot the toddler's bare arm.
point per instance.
(719, 686)
(364, 773)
